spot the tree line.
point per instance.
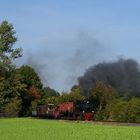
(21, 89)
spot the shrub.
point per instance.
(134, 110)
(13, 107)
(120, 111)
(100, 115)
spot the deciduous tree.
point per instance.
(104, 94)
(10, 85)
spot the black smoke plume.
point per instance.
(123, 75)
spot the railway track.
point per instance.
(104, 123)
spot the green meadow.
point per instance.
(38, 129)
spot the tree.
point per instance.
(13, 107)
(10, 88)
(10, 85)
(120, 110)
(104, 94)
(7, 53)
(134, 110)
(33, 88)
(29, 76)
(124, 110)
(46, 93)
(75, 94)
(55, 100)
(33, 93)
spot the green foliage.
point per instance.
(103, 94)
(7, 38)
(120, 110)
(53, 100)
(134, 110)
(10, 85)
(47, 93)
(65, 97)
(57, 99)
(75, 95)
(29, 76)
(7, 52)
(126, 111)
(34, 104)
(100, 115)
(13, 106)
(33, 88)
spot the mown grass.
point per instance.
(37, 129)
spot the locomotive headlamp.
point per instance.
(83, 111)
(92, 111)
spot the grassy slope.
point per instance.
(33, 129)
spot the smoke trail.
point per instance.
(59, 62)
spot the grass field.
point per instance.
(35, 129)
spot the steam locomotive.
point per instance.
(79, 110)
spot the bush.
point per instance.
(120, 111)
(126, 111)
(100, 115)
(13, 107)
(134, 110)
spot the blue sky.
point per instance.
(65, 37)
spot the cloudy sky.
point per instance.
(62, 38)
